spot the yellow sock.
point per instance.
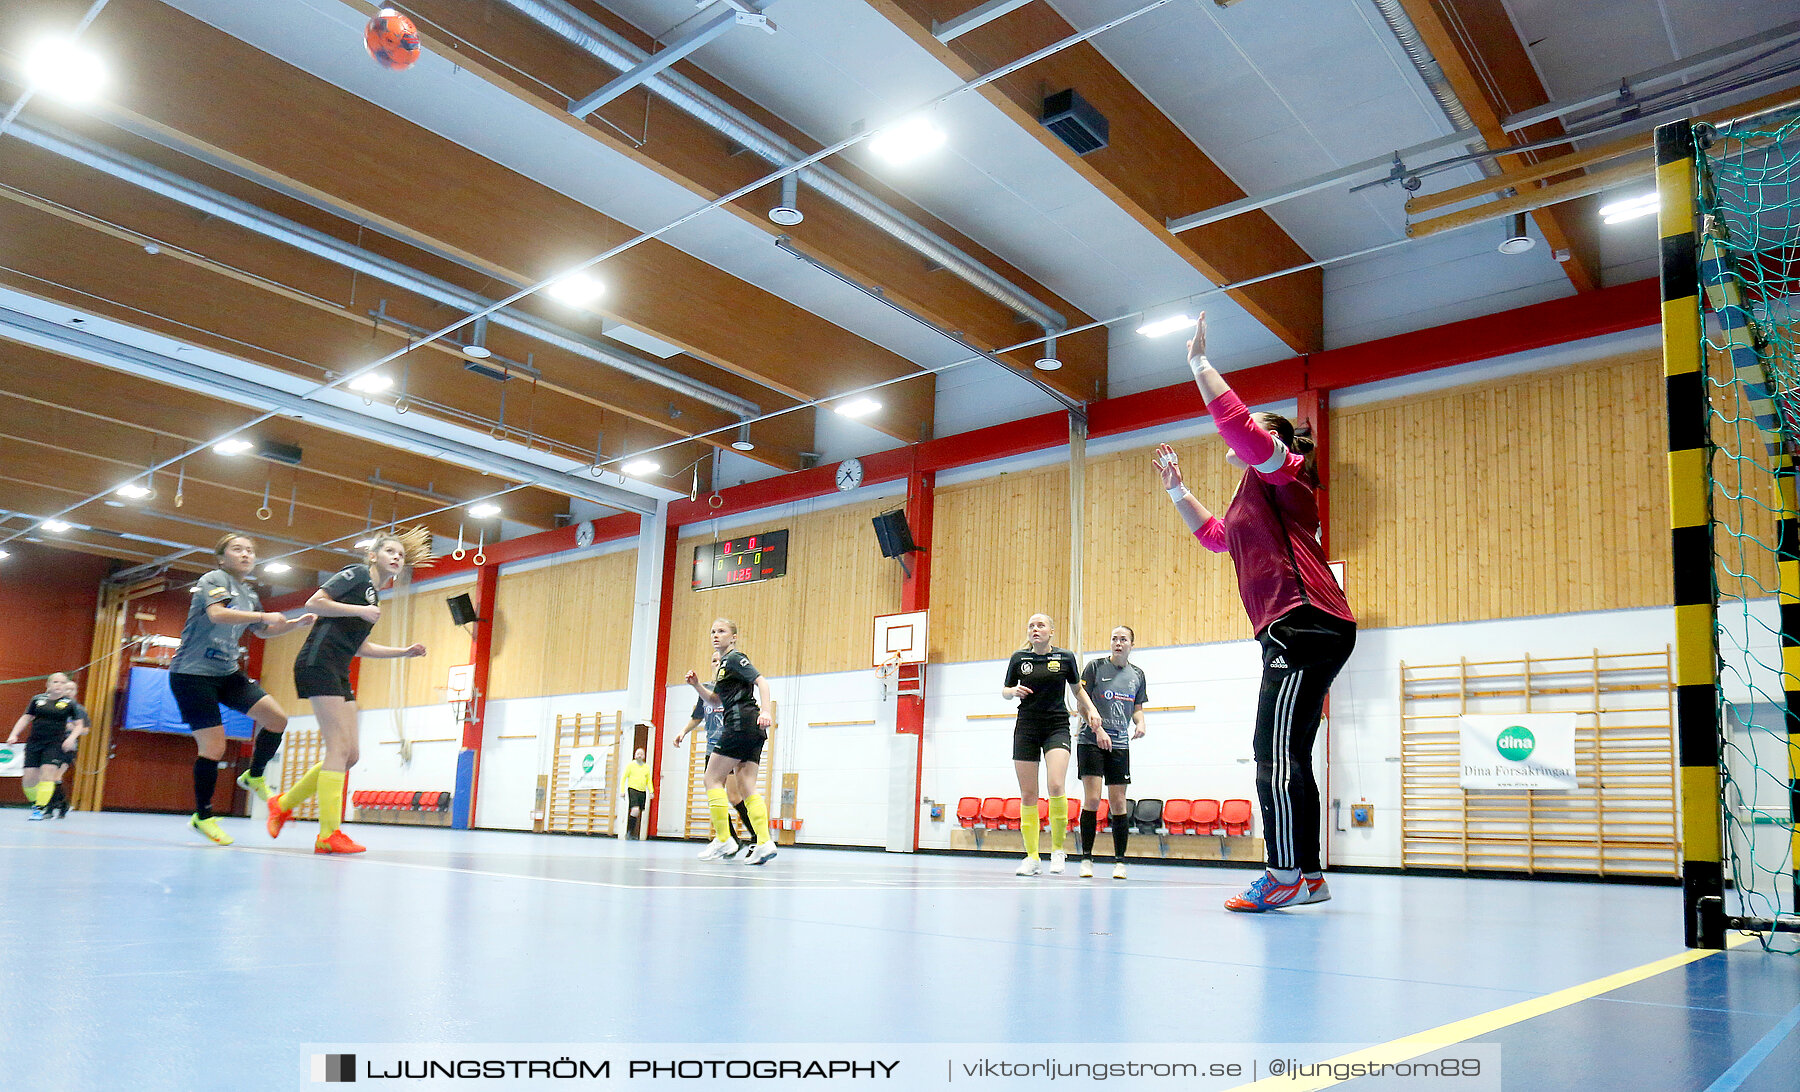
(721, 813)
(1028, 826)
(300, 791)
(759, 816)
(45, 790)
(331, 801)
(1059, 822)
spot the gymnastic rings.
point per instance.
(459, 552)
(480, 551)
(265, 512)
(716, 501)
(402, 404)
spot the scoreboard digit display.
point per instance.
(740, 560)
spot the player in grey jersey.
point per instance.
(204, 672)
(1119, 691)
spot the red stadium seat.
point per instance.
(428, 801)
(968, 809)
(993, 813)
(1235, 815)
(1105, 814)
(1204, 816)
(1012, 813)
(1074, 813)
(1175, 815)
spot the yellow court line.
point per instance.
(1412, 1046)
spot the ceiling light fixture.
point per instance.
(1629, 208)
(1517, 240)
(637, 468)
(907, 140)
(373, 383)
(64, 70)
(576, 289)
(477, 348)
(857, 407)
(4, 555)
(743, 441)
(277, 567)
(1048, 362)
(363, 544)
(787, 213)
(54, 526)
(132, 491)
(232, 447)
(1165, 326)
(484, 511)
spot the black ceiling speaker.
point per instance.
(1075, 122)
(893, 533)
(462, 610)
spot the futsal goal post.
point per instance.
(1729, 229)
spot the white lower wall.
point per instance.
(432, 766)
(849, 774)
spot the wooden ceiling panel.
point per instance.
(1150, 168)
(1491, 72)
(370, 163)
(520, 57)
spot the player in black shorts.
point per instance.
(55, 720)
(1117, 688)
(348, 609)
(709, 717)
(204, 673)
(1036, 676)
(739, 753)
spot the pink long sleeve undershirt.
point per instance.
(1251, 443)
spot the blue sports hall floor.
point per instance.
(140, 957)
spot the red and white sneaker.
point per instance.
(337, 842)
(1267, 893)
(278, 816)
(1313, 889)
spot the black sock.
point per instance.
(1090, 823)
(267, 743)
(744, 814)
(57, 799)
(1121, 825)
(206, 779)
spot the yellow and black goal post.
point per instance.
(1729, 224)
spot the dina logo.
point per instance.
(587, 764)
(1516, 743)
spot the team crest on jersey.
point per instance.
(1025, 668)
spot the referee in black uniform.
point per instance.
(1037, 676)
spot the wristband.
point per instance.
(1198, 365)
(1178, 492)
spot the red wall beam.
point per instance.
(659, 694)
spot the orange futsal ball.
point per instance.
(392, 40)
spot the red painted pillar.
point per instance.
(659, 695)
(915, 594)
(468, 759)
(1315, 410)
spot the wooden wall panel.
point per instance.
(815, 619)
(1002, 556)
(1141, 567)
(564, 629)
(416, 617)
(278, 670)
(1542, 494)
(1743, 495)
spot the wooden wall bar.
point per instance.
(817, 618)
(564, 629)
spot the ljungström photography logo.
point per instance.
(333, 1068)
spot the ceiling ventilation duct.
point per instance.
(1075, 122)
